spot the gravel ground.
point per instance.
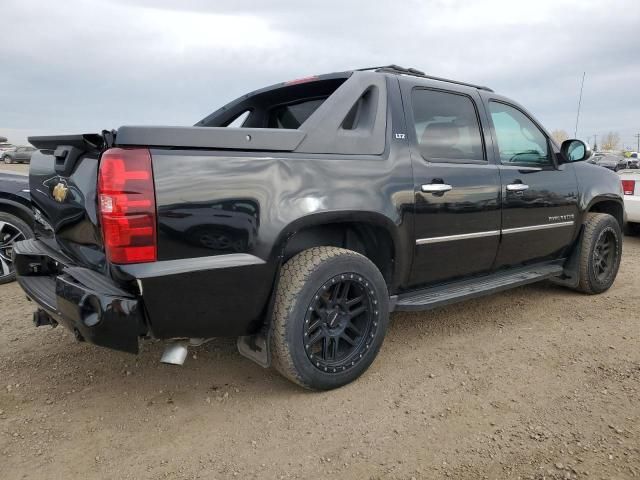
(15, 167)
(539, 382)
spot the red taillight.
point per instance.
(127, 204)
(628, 186)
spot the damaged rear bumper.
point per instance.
(83, 300)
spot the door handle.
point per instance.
(517, 187)
(436, 187)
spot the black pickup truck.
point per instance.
(298, 216)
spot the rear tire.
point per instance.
(7, 160)
(12, 229)
(330, 317)
(600, 254)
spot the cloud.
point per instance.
(78, 66)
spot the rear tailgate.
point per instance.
(63, 180)
(64, 269)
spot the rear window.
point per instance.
(293, 115)
(285, 106)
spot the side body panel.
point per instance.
(541, 222)
(471, 208)
(14, 186)
(596, 184)
(14, 195)
(211, 204)
(457, 232)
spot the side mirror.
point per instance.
(574, 150)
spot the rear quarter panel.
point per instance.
(215, 204)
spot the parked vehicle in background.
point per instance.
(595, 157)
(16, 219)
(631, 196)
(633, 161)
(18, 155)
(340, 198)
(6, 147)
(623, 163)
(611, 162)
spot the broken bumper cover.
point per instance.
(83, 300)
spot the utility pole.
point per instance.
(595, 142)
(575, 133)
(637, 135)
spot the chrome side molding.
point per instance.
(491, 233)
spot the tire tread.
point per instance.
(293, 277)
(592, 225)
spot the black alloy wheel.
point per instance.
(330, 317)
(600, 253)
(340, 323)
(604, 255)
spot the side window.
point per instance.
(519, 139)
(446, 126)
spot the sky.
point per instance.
(82, 66)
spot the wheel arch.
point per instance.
(371, 234)
(17, 209)
(330, 229)
(608, 204)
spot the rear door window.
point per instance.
(446, 126)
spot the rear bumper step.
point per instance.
(82, 300)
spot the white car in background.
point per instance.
(6, 147)
(631, 188)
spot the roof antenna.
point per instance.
(575, 133)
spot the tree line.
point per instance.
(609, 141)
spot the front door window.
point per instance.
(520, 141)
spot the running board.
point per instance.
(441, 295)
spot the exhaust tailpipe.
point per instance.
(175, 353)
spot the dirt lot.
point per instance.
(536, 383)
(15, 167)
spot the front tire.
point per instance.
(7, 160)
(600, 254)
(330, 317)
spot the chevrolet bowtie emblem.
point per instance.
(60, 192)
